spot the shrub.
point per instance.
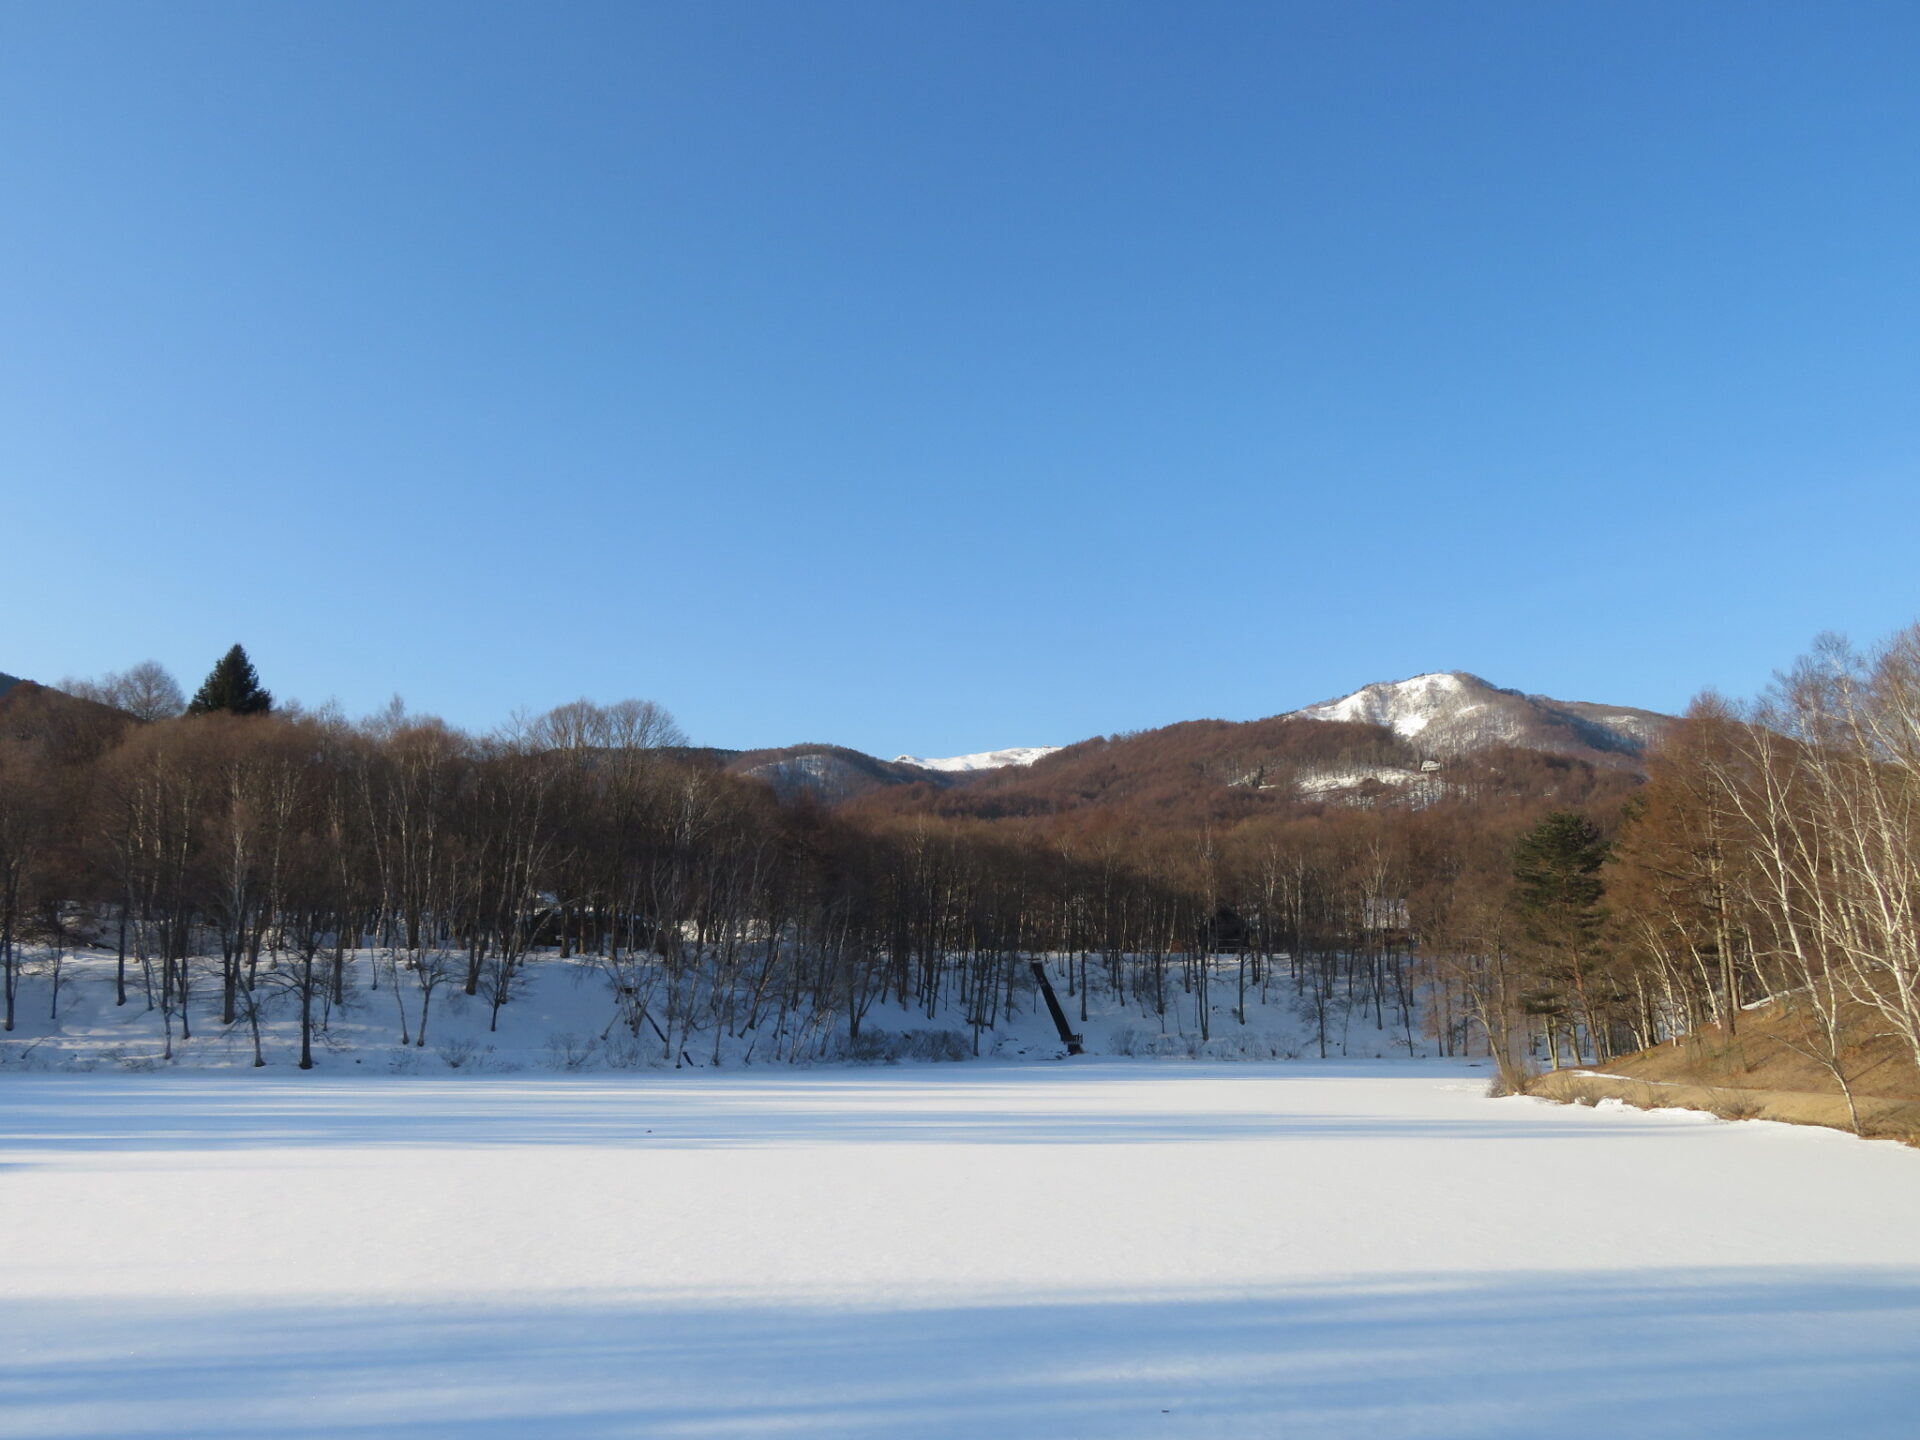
(569, 1052)
(1731, 1105)
(457, 1052)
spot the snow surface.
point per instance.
(563, 1016)
(1319, 782)
(1405, 707)
(1075, 1249)
(985, 760)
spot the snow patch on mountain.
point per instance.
(1322, 782)
(1405, 707)
(799, 771)
(985, 760)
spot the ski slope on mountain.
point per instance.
(1324, 1252)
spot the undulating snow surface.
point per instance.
(1074, 1249)
(985, 760)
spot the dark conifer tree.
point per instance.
(1557, 867)
(1557, 894)
(233, 686)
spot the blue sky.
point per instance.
(942, 377)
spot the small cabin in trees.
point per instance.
(1384, 912)
(1225, 933)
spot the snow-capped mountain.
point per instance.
(985, 760)
(1451, 712)
(1433, 725)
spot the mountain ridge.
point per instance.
(1397, 736)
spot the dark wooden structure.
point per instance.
(1067, 1036)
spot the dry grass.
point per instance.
(1880, 1118)
(1767, 1052)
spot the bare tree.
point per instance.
(145, 691)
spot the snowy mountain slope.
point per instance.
(828, 772)
(833, 773)
(1452, 712)
(1406, 707)
(985, 760)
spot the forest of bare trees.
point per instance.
(235, 863)
(1532, 908)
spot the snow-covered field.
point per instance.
(1070, 1249)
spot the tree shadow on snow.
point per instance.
(1787, 1352)
(48, 1116)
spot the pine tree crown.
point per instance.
(233, 686)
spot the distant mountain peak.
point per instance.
(984, 760)
(1449, 712)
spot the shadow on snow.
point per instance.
(1788, 1352)
(1011, 1105)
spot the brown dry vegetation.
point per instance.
(1769, 1052)
(1764, 1071)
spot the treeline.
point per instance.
(236, 861)
(236, 857)
(1532, 907)
(1773, 855)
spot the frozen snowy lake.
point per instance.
(1105, 1249)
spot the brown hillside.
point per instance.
(68, 727)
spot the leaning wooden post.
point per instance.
(1071, 1040)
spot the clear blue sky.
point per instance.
(938, 377)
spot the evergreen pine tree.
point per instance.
(234, 686)
(1557, 896)
(1557, 869)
